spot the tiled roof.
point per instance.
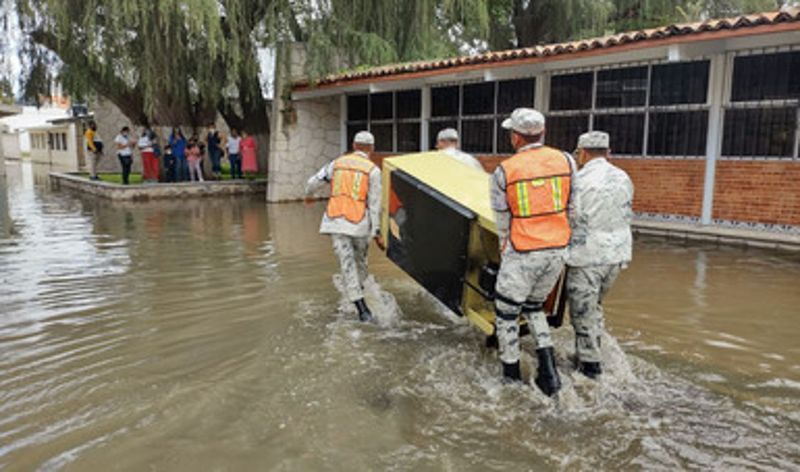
(787, 15)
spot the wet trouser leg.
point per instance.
(352, 255)
(360, 250)
(586, 287)
(524, 277)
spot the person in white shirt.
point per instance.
(353, 213)
(232, 149)
(125, 144)
(447, 142)
(600, 245)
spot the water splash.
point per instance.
(383, 304)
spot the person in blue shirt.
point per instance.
(177, 142)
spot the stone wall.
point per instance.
(110, 120)
(306, 134)
(145, 192)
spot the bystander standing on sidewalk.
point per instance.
(169, 164)
(195, 158)
(125, 145)
(178, 144)
(249, 148)
(233, 148)
(149, 159)
(95, 147)
(214, 151)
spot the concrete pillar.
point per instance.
(716, 87)
(425, 115)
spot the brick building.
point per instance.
(703, 116)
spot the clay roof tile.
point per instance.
(791, 14)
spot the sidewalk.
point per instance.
(719, 234)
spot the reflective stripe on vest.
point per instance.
(349, 188)
(537, 192)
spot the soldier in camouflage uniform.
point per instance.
(600, 246)
(529, 194)
(352, 215)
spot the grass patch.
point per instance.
(136, 178)
(115, 178)
(226, 174)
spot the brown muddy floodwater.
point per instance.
(208, 335)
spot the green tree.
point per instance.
(182, 61)
(6, 92)
(546, 21)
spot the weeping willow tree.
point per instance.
(531, 22)
(361, 33)
(173, 62)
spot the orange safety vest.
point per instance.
(537, 191)
(349, 188)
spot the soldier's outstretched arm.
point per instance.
(319, 179)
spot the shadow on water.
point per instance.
(209, 334)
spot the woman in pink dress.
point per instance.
(248, 150)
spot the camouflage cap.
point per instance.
(525, 121)
(447, 134)
(364, 137)
(593, 140)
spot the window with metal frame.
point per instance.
(635, 104)
(394, 118)
(476, 109)
(762, 108)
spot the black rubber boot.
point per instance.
(363, 311)
(511, 372)
(590, 369)
(547, 378)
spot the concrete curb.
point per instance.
(719, 235)
(145, 192)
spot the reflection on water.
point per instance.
(196, 335)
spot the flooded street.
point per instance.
(208, 335)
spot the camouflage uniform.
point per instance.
(351, 240)
(600, 246)
(524, 279)
(352, 255)
(586, 287)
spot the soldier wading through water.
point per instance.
(530, 194)
(601, 243)
(352, 215)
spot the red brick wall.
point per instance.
(666, 186)
(764, 192)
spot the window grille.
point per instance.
(392, 117)
(651, 109)
(476, 111)
(762, 106)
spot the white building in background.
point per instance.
(9, 142)
(27, 118)
(59, 144)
